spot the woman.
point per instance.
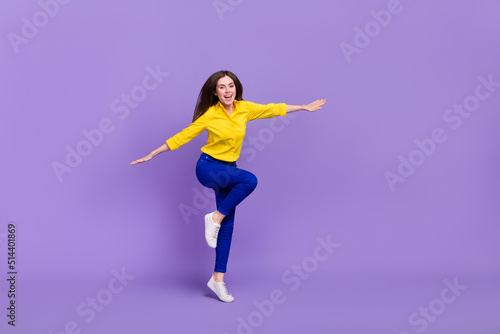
(221, 111)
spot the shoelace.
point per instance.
(215, 231)
(224, 289)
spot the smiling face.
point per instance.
(225, 91)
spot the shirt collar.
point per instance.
(221, 107)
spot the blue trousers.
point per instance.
(231, 185)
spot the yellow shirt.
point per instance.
(225, 131)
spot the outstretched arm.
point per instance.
(316, 105)
(151, 155)
(177, 141)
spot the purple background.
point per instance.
(320, 175)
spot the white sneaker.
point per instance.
(220, 290)
(211, 230)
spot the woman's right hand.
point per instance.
(138, 161)
(162, 148)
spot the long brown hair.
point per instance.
(206, 98)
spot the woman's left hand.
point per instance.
(316, 105)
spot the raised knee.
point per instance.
(252, 181)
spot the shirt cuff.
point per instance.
(282, 107)
(171, 144)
